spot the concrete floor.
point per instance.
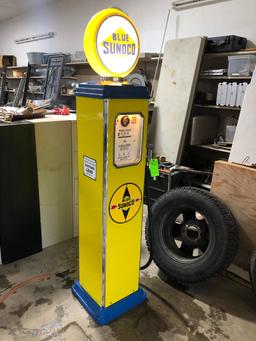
(43, 308)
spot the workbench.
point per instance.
(38, 184)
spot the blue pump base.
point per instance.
(104, 315)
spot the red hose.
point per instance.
(20, 285)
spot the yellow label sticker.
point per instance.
(125, 203)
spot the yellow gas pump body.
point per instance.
(112, 132)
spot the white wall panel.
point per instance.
(54, 163)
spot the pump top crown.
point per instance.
(111, 43)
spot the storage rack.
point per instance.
(203, 156)
(82, 73)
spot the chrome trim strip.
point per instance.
(105, 199)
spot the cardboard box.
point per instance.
(7, 60)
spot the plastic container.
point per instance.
(241, 65)
(218, 94)
(231, 94)
(230, 133)
(225, 44)
(240, 93)
(36, 57)
(222, 94)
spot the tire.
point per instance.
(252, 271)
(193, 235)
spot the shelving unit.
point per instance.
(82, 73)
(202, 156)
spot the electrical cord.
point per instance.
(150, 259)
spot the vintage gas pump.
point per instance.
(112, 129)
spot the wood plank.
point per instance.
(174, 97)
(236, 186)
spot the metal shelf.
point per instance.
(36, 66)
(76, 64)
(39, 66)
(16, 67)
(67, 95)
(35, 92)
(226, 54)
(226, 77)
(41, 77)
(215, 148)
(208, 106)
(69, 77)
(37, 77)
(30, 92)
(10, 77)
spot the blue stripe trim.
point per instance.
(104, 315)
(112, 91)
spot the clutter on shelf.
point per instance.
(7, 60)
(64, 110)
(231, 94)
(30, 111)
(241, 65)
(42, 57)
(10, 114)
(78, 56)
(215, 72)
(225, 44)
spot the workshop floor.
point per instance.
(43, 308)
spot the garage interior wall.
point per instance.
(67, 19)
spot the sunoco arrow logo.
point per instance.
(125, 203)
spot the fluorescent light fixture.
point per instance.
(185, 4)
(34, 38)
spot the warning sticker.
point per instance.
(125, 203)
(90, 167)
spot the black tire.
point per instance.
(253, 271)
(177, 234)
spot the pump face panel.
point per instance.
(128, 139)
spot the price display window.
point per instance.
(128, 139)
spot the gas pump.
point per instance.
(112, 127)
